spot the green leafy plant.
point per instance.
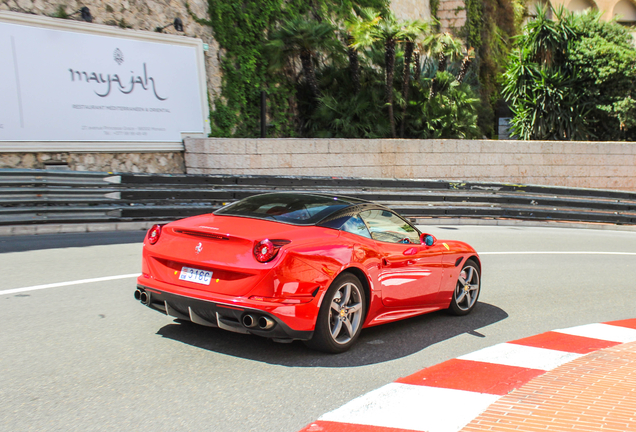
(60, 12)
(242, 28)
(388, 31)
(451, 113)
(303, 38)
(572, 78)
(490, 25)
(343, 114)
(334, 68)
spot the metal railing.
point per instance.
(43, 196)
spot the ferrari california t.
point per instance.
(310, 267)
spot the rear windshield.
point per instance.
(296, 209)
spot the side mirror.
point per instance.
(427, 239)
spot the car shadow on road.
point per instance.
(375, 344)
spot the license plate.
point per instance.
(202, 277)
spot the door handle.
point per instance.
(385, 263)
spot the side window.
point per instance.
(388, 227)
(355, 225)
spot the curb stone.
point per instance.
(448, 396)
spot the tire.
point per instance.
(466, 290)
(338, 326)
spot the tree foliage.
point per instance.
(303, 38)
(450, 112)
(490, 25)
(388, 31)
(572, 78)
(345, 68)
(241, 27)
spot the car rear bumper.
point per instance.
(216, 314)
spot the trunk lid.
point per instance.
(222, 245)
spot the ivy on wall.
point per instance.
(241, 28)
(489, 26)
(434, 6)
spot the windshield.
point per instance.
(299, 209)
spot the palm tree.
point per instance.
(466, 62)
(412, 30)
(356, 24)
(547, 39)
(541, 83)
(444, 46)
(417, 64)
(373, 28)
(352, 53)
(304, 38)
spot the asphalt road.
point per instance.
(89, 357)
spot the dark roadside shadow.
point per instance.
(375, 345)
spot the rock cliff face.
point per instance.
(160, 163)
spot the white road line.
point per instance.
(521, 356)
(107, 278)
(61, 284)
(556, 253)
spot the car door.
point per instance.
(410, 272)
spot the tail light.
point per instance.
(266, 250)
(154, 233)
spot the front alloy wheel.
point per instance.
(466, 290)
(341, 315)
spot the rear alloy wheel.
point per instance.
(341, 316)
(466, 290)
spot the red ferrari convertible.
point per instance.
(310, 267)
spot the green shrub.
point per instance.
(336, 68)
(572, 78)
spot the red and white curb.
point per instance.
(447, 396)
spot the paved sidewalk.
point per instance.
(577, 379)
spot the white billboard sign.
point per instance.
(61, 85)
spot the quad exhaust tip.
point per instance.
(262, 322)
(265, 323)
(249, 321)
(143, 296)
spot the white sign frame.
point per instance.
(123, 142)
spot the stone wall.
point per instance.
(603, 165)
(138, 15)
(160, 163)
(411, 9)
(451, 15)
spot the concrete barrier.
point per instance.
(601, 165)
